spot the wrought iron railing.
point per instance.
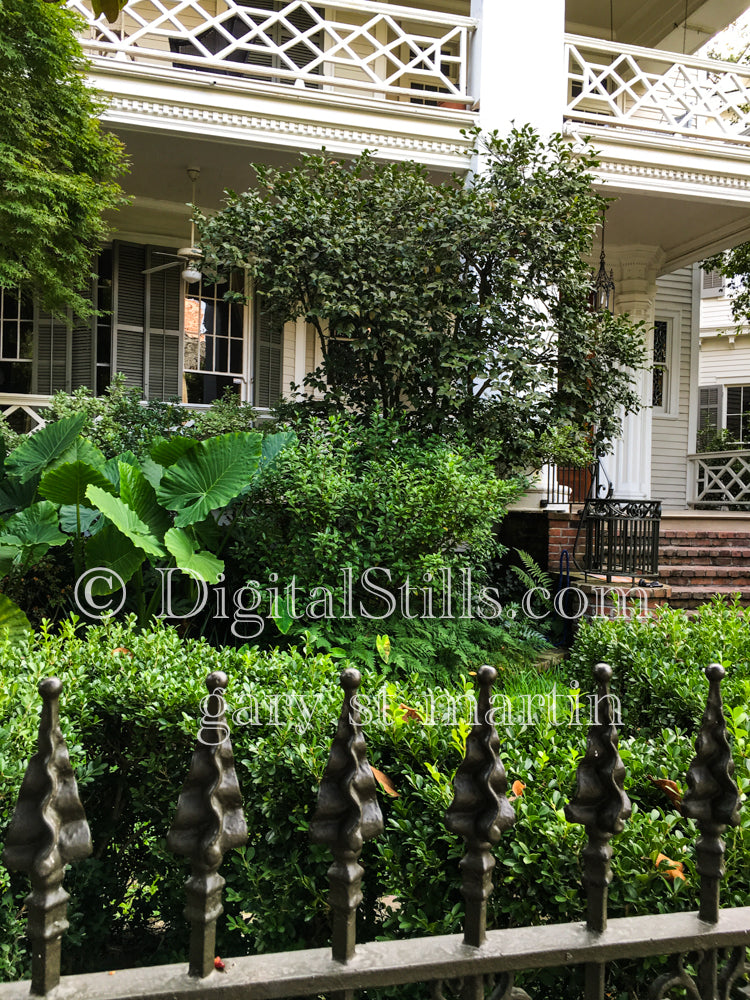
(621, 537)
(49, 831)
(568, 484)
(719, 479)
(347, 47)
(618, 85)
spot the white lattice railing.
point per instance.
(23, 411)
(622, 85)
(348, 46)
(719, 478)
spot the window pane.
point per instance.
(660, 342)
(657, 391)
(15, 376)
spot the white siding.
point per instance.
(670, 441)
(724, 363)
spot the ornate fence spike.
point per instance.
(712, 798)
(209, 821)
(602, 807)
(48, 831)
(480, 810)
(347, 815)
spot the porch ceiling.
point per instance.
(654, 23)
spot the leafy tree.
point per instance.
(735, 266)
(59, 168)
(463, 305)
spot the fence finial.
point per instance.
(600, 803)
(347, 815)
(48, 831)
(209, 821)
(712, 798)
(480, 810)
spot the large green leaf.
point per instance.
(91, 520)
(33, 531)
(13, 622)
(67, 483)
(112, 467)
(273, 445)
(138, 493)
(125, 520)
(43, 447)
(210, 475)
(201, 565)
(15, 495)
(166, 451)
(82, 450)
(111, 550)
(152, 471)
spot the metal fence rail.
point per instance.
(621, 537)
(49, 830)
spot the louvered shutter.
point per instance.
(129, 311)
(165, 292)
(50, 354)
(302, 53)
(712, 284)
(269, 342)
(82, 356)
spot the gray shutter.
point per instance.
(301, 54)
(712, 284)
(50, 354)
(165, 294)
(129, 262)
(83, 352)
(269, 343)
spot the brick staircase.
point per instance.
(700, 560)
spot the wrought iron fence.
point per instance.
(49, 830)
(567, 484)
(621, 537)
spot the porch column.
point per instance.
(635, 269)
(517, 68)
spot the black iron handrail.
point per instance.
(621, 537)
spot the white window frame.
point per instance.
(670, 409)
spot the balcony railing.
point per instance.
(719, 479)
(349, 47)
(663, 92)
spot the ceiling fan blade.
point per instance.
(163, 267)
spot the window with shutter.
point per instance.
(213, 343)
(129, 312)
(712, 284)
(50, 367)
(164, 294)
(269, 346)
(709, 416)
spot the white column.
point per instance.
(517, 68)
(635, 271)
(300, 351)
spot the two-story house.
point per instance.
(211, 85)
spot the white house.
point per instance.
(216, 84)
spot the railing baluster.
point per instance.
(479, 813)
(48, 831)
(347, 815)
(602, 807)
(713, 801)
(209, 821)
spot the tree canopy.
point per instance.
(463, 305)
(59, 169)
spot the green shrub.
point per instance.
(352, 495)
(129, 715)
(120, 420)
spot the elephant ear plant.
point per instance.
(172, 510)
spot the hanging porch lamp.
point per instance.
(602, 298)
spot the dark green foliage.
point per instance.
(457, 305)
(59, 168)
(130, 717)
(121, 420)
(348, 495)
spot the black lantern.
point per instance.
(602, 296)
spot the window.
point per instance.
(660, 373)
(213, 343)
(16, 341)
(738, 412)
(712, 284)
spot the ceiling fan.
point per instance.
(189, 255)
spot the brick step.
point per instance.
(675, 555)
(708, 539)
(705, 576)
(693, 597)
